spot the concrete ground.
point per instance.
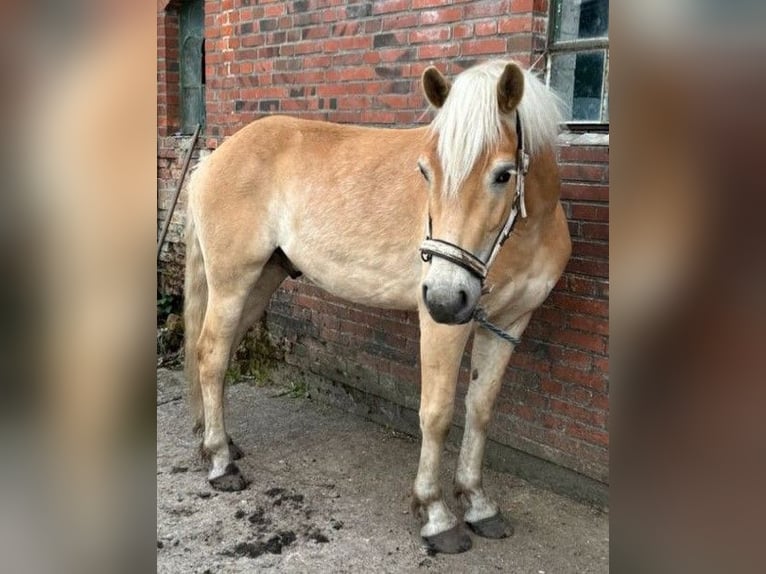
(330, 493)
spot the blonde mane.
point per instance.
(469, 122)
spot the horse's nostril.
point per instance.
(463, 299)
(425, 293)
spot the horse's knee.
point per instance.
(478, 417)
(435, 422)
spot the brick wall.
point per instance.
(168, 76)
(360, 62)
(170, 154)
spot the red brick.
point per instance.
(551, 421)
(429, 35)
(601, 365)
(392, 101)
(438, 51)
(486, 46)
(514, 25)
(384, 6)
(551, 387)
(441, 16)
(315, 32)
(378, 117)
(578, 304)
(590, 249)
(579, 340)
(589, 212)
(399, 21)
(426, 3)
(485, 28)
(596, 173)
(585, 378)
(587, 434)
(600, 401)
(581, 154)
(577, 395)
(585, 266)
(591, 230)
(522, 5)
(582, 285)
(274, 9)
(563, 357)
(486, 9)
(549, 315)
(462, 31)
(584, 191)
(529, 362)
(589, 324)
(590, 417)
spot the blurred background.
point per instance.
(688, 273)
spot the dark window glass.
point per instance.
(580, 19)
(192, 54)
(578, 78)
(579, 58)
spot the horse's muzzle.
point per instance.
(455, 307)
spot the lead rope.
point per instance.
(480, 316)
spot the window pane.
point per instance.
(192, 60)
(578, 79)
(192, 108)
(579, 19)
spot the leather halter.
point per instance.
(461, 257)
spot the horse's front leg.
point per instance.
(489, 359)
(441, 347)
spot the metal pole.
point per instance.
(187, 159)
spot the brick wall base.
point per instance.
(399, 417)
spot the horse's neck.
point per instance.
(543, 185)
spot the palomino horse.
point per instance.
(407, 219)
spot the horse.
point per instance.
(411, 219)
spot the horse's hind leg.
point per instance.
(271, 277)
(224, 310)
(232, 299)
(489, 359)
(441, 347)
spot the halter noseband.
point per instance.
(462, 258)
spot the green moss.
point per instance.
(255, 357)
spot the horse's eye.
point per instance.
(423, 172)
(503, 177)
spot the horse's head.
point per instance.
(470, 169)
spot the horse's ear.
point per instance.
(435, 86)
(510, 88)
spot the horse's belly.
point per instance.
(374, 283)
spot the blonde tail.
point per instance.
(195, 304)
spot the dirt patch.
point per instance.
(330, 493)
(273, 545)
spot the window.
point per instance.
(578, 62)
(192, 64)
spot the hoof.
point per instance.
(452, 541)
(232, 480)
(493, 527)
(235, 452)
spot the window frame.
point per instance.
(555, 48)
(185, 31)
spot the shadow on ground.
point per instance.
(330, 493)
